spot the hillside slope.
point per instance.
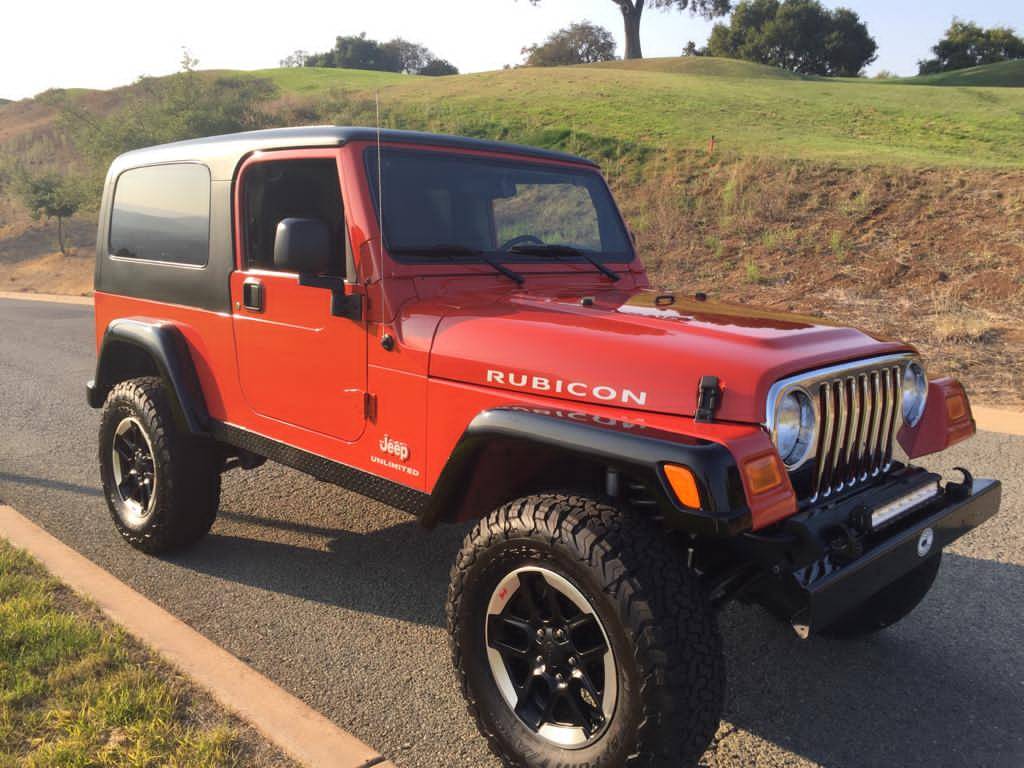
(1006, 74)
(680, 103)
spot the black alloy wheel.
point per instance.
(550, 656)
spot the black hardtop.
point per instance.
(222, 154)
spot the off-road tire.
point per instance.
(890, 605)
(657, 616)
(187, 467)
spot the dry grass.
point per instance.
(934, 257)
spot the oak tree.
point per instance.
(633, 10)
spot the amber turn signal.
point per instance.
(684, 485)
(763, 474)
(956, 407)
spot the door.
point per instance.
(299, 362)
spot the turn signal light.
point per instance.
(684, 485)
(763, 474)
(956, 407)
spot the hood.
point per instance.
(639, 349)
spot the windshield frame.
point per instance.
(503, 257)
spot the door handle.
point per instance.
(252, 295)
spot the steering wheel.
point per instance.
(521, 240)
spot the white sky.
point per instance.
(66, 43)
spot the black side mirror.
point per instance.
(303, 246)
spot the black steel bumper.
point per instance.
(813, 591)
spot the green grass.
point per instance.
(76, 692)
(1006, 74)
(622, 108)
(314, 80)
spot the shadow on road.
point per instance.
(53, 485)
(400, 571)
(946, 682)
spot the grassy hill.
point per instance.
(681, 102)
(1006, 74)
(897, 205)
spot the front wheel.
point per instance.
(580, 638)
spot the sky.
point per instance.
(102, 44)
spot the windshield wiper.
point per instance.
(451, 250)
(545, 249)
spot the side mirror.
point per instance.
(303, 246)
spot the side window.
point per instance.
(162, 213)
(283, 189)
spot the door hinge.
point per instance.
(709, 397)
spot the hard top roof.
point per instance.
(223, 153)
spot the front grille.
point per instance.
(859, 415)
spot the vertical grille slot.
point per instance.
(859, 416)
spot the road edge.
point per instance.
(996, 420)
(297, 729)
(52, 298)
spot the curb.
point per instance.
(298, 730)
(53, 298)
(995, 420)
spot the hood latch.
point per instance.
(709, 397)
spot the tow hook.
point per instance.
(844, 545)
(961, 490)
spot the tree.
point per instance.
(295, 59)
(439, 68)
(799, 35)
(579, 43)
(50, 196)
(968, 45)
(410, 58)
(633, 10)
(360, 52)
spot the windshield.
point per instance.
(440, 205)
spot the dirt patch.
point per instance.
(933, 257)
(51, 273)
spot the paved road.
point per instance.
(339, 600)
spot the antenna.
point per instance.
(380, 178)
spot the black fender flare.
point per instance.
(637, 450)
(165, 345)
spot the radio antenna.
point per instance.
(380, 178)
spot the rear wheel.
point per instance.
(162, 484)
(580, 638)
(894, 602)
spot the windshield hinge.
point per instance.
(709, 397)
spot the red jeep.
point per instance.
(463, 329)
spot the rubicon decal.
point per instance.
(576, 389)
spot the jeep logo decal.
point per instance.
(394, 448)
(574, 388)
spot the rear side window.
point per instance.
(162, 213)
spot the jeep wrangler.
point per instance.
(463, 329)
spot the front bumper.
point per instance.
(823, 563)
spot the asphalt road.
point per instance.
(340, 600)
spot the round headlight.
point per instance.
(794, 427)
(915, 393)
